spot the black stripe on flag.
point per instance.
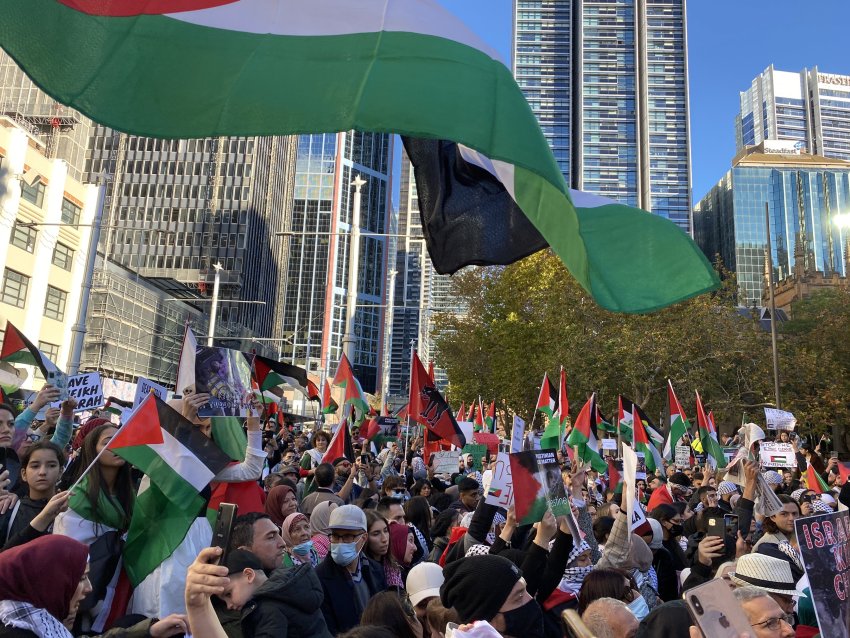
(191, 437)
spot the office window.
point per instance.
(24, 237)
(70, 212)
(54, 303)
(33, 194)
(50, 350)
(63, 256)
(15, 286)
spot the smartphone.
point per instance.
(223, 527)
(364, 459)
(715, 610)
(833, 455)
(726, 527)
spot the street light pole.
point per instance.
(772, 306)
(214, 310)
(353, 270)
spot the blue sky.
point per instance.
(729, 42)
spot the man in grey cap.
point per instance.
(348, 578)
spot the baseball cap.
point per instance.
(424, 581)
(289, 469)
(241, 559)
(348, 517)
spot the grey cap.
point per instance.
(348, 517)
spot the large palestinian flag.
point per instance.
(354, 395)
(18, 349)
(180, 462)
(271, 373)
(210, 68)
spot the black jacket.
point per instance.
(18, 529)
(287, 605)
(338, 607)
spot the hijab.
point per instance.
(320, 519)
(398, 541)
(87, 427)
(274, 502)
(44, 573)
(670, 620)
(288, 523)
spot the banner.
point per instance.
(825, 547)
(226, 376)
(779, 419)
(777, 455)
(517, 435)
(683, 456)
(501, 490)
(87, 390)
(446, 462)
(144, 387)
(538, 486)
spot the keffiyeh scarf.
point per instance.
(25, 616)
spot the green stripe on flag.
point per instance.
(229, 436)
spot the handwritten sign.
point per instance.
(87, 390)
(777, 454)
(446, 462)
(144, 387)
(501, 490)
(683, 456)
(779, 419)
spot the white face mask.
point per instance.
(639, 608)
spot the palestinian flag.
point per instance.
(614, 476)
(471, 414)
(628, 410)
(479, 425)
(547, 400)
(180, 462)
(651, 455)
(271, 373)
(462, 411)
(678, 423)
(392, 66)
(707, 440)
(553, 435)
(583, 436)
(814, 481)
(490, 419)
(354, 395)
(229, 435)
(118, 407)
(340, 444)
(603, 423)
(329, 406)
(843, 473)
(529, 485)
(18, 349)
(428, 407)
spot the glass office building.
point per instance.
(808, 107)
(608, 82)
(803, 192)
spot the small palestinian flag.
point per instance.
(814, 481)
(490, 419)
(479, 425)
(604, 423)
(271, 373)
(678, 422)
(18, 349)
(547, 400)
(119, 407)
(329, 406)
(707, 439)
(553, 435)
(354, 395)
(428, 407)
(471, 414)
(462, 411)
(843, 472)
(583, 436)
(614, 476)
(340, 445)
(180, 462)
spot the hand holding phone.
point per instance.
(716, 611)
(223, 527)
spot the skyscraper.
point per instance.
(808, 107)
(316, 241)
(608, 82)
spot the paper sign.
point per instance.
(87, 390)
(144, 387)
(501, 491)
(226, 376)
(777, 454)
(467, 428)
(630, 463)
(516, 436)
(825, 544)
(446, 462)
(478, 452)
(730, 453)
(641, 466)
(609, 444)
(538, 486)
(683, 456)
(779, 419)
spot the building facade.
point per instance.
(804, 193)
(608, 82)
(808, 107)
(43, 241)
(316, 238)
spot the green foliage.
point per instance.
(532, 317)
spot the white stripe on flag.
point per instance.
(183, 461)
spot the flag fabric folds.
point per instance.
(18, 349)
(180, 462)
(584, 439)
(709, 444)
(340, 445)
(678, 423)
(553, 434)
(354, 395)
(479, 425)
(392, 66)
(329, 406)
(490, 419)
(271, 373)
(547, 400)
(428, 407)
(814, 481)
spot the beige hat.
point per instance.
(424, 581)
(769, 573)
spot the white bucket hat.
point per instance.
(769, 573)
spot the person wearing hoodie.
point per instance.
(286, 604)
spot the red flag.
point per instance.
(563, 402)
(431, 371)
(843, 472)
(340, 445)
(428, 407)
(471, 412)
(814, 482)
(462, 412)
(329, 406)
(614, 478)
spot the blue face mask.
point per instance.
(343, 554)
(303, 549)
(639, 608)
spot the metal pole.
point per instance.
(214, 310)
(772, 306)
(78, 330)
(353, 270)
(385, 372)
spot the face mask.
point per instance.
(526, 621)
(304, 548)
(343, 554)
(676, 529)
(639, 608)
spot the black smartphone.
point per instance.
(364, 459)
(223, 527)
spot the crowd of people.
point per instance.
(379, 545)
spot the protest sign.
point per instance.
(538, 485)
(609, 444)
(144, 387)
(490, 441)
(777, 454)
(683, 456)
(779, 419)
(641, 466)
(825, 547)
(389, 426)
(467, 428)
(634, 512)
(226, 376)
(729, 453)
(516, 436)
(478, 452)
(446, 462)
(87, 390)
(501, 489)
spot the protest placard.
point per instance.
(777, 454)
(609, 444)
(501, 490)
(683, 456)
(226, 376)
(730, 453)
(824, 542)
(446, 462)
(478, 452)
(389, 425)
(87, 390)
(538, 485)
(779, 419)
(517, 435)
(641, 466)
(634, 511)
(144, 387)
